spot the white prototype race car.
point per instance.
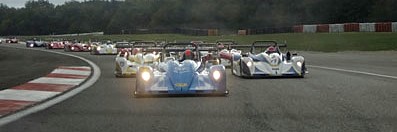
(226, 51)
(266, 60)
(107, 48)
(128, 62)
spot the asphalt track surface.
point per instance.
(18, 66)
(325, 100)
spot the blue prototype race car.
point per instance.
(182, 71)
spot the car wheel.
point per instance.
(232, 68)
(303, 70)
(241, 69)
(66, 49)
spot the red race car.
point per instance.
(56, 45)
(77, 47)
(12, 40)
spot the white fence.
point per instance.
(336, 28)
(394, 26)
(367, 27)
(309, 28)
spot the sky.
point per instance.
(21, 3)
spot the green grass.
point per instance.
(327, 42)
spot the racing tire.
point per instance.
(66, 49)
(232, 68)
(241, 69)
(303, 71)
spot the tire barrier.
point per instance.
(346, 27)
(394, 27)
(367, 27)
(309, 28)
(298, 28)
(383, 27)
(351, 27)
(323, 28)
(336, 28)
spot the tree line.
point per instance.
(40, 17)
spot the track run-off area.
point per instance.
(344, 91)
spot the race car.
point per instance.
(226, 51)
(35, 43)
(107, 48)
(11, 40)
(266, 60)
(56, 45)
(77, 47)
(185, 74)
(128, 61)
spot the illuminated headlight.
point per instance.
(98, 48)
(31, 45)
(145, 75)
(249, 63)
(72, 48)
(216, 75)
(299, 63)
(52, 45)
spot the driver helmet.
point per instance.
(135, 51)
(188, 54)
(123, 53)
(271, 49)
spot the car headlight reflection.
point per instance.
(299, 63)
(216, 75)
(249, 64)
(145, 75)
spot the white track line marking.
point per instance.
(95, 76)
(353, 71)
(26, 95)
(74, 72)
(51, 80)
(82, 67)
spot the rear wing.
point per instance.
(179, 46)
(226, 44)
(124, 45)
(152, 49)
(267, 43)
(257, 44)
(232, 42)
(208, 47)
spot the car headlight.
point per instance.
(145, 75)
(98, 48)
(216, 75)
(299, 63)
(249, 63)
